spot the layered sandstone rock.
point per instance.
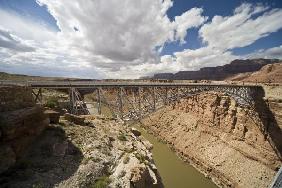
(14, 98)
(218, 137)
(20, 122)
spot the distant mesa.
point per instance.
(220, 72)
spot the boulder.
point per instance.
(26, 121)
(79, 120)
(135, 131)
(141, 177)
(53, 116)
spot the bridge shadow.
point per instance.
(270, 127)
(50, 160)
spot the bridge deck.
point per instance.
(91, 84)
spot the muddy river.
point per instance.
(174, 172)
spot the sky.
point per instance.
(131, 39)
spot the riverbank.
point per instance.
(213, 134)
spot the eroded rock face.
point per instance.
(223, 140)
(14, 98)
(20, 122)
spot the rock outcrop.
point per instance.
(218, 137)
(220, 72)
(103, 153)
(20, 122)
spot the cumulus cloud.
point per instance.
(202, 57)
(275, 52)
(185, 21)
(241, 29)
(123, 39)
(7, 40)
(119, 30)
(104, 36)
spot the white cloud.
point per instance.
(24, 28)
(119, 30)
(123, 39)
(275, 52)
(7, 40)
(241, 29)
(189, 19)
(202, 57)
(247, 24)
(108, 37)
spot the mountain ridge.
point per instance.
(219, 72)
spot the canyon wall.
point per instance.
(20, 122)
(218, 137)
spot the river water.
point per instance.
(174, 172)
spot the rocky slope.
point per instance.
(98, 153)
(271, 73)
(218, 137)
(73, 151)
(219, 72)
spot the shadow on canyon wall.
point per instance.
(269, 126)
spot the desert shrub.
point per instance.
(52, 102)
(126, 159)
(101, 182)
(122, 137)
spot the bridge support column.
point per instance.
(139, 102)
(77, 105)
(99, 100)
(154, 99)
(72, 101)
(120, 101)
(166, 96)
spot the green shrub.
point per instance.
(122, 137)
(101, 182)
(52, 102)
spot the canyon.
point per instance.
(42, 145)
(224, 141)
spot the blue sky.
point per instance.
(118, 39)
(220, 7)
